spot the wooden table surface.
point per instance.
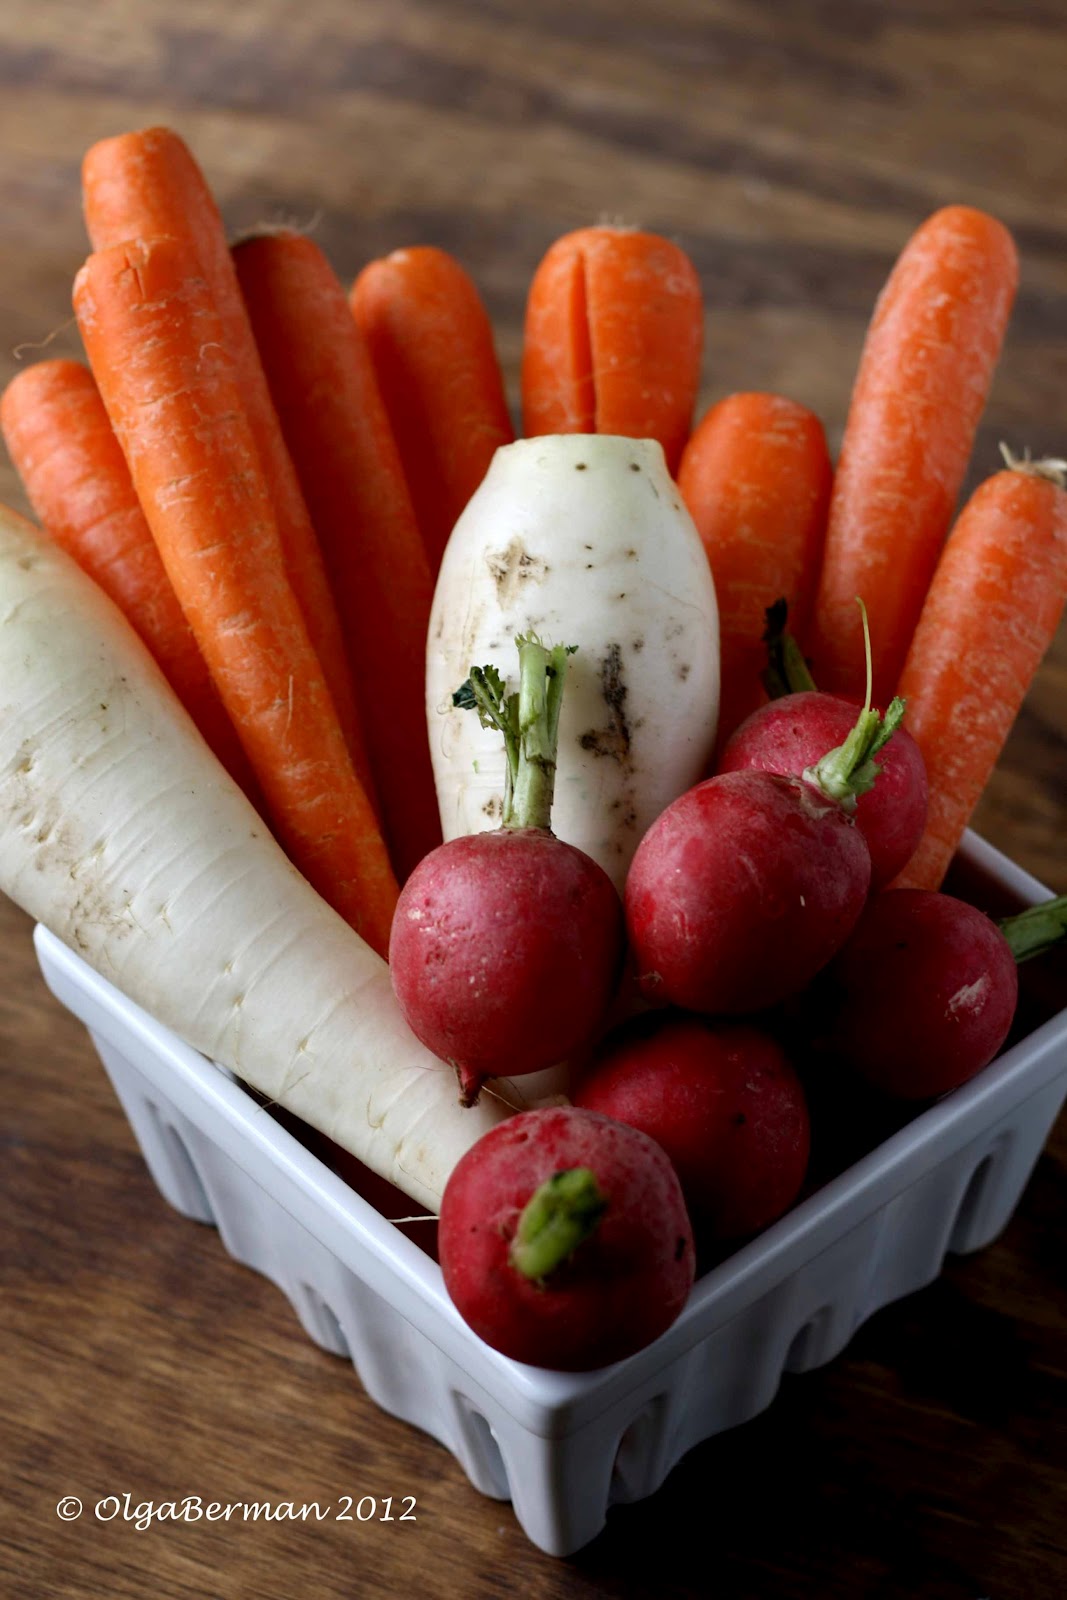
(791, 149)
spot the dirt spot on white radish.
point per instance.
(613, 740)
(624, 812)
(512, 568)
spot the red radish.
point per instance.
(789, 735)
(506, 946)
(724, 1103)
(564, 1239)
(922, 995)
(741, 892)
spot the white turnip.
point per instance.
(580, 537)
(122, 834)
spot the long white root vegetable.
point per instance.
(580, 539)
(122, 834)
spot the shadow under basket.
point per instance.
(563, 1447)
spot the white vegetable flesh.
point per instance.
(122, 834)
(582, 539)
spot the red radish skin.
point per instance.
(622, 1286)
(791, 734)
(505, 951)
(923, 994)
(742, 890)
(724, 1103)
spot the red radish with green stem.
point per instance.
(748, 884)
(724, 1103)
(564, 1239)
(923, 994)
(506, 946)
(788, 734)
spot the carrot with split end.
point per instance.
(613, 339)
(756, 478)
(157, 348)
(922, 383)
(432, 346)
(148, 185)
(993, 608)
(338, 434)
(76, 478)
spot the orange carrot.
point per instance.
(338, 434)
(923, 379)
(77, 480)
(614, 332)
(432, 347)
(147, 184)
(991, 613)
(157, 349)
(756, 477)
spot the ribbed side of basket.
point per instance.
(562, 1486)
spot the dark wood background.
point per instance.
(791, 148)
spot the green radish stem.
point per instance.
(850, 770)
(555, 1220)
(1037, 929)
(528, 720)
(786, 671)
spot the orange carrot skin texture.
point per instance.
(613, 339)
(756, 478)
(991, 614)
(926, 368)
(157, 349)
(338, 434)
(76, 478)
(147, 184)
(432, 347)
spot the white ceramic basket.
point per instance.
(564, 1447)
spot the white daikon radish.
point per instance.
(582, 539)
(122, 834)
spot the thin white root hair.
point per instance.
(282, 224)
(1052, 468)
(42, 344)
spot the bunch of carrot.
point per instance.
(262, 472)
(233, 475)
(958, 627)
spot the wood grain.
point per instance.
(791, 149)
